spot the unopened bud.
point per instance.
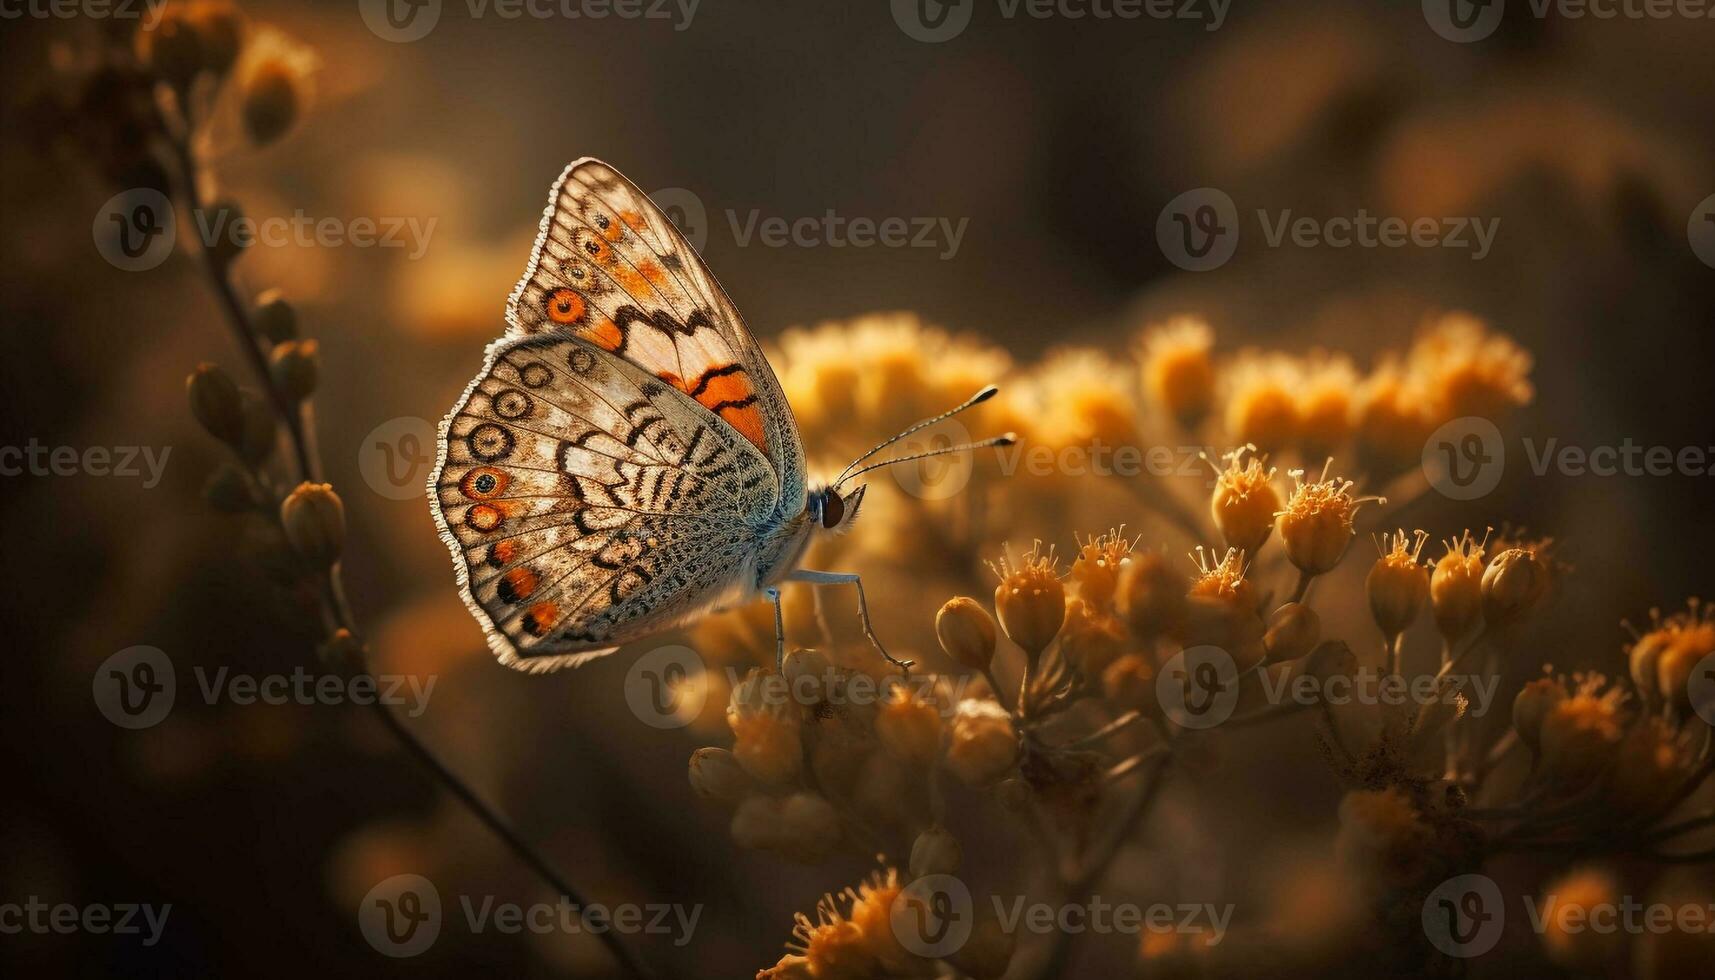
(275, 318)
(216, 403)
(716, 775)
(314, 521)
(966, 631)
(935, 852)
(1514, 582)
(295, 367)
(229, 490)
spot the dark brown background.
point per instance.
(1059, 140)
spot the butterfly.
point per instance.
(626, 460)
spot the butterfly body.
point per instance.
(625, 460)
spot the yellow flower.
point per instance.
(1097, 568)
(1245, 501)
(1456, 587)
(1512, 584)
(1397, 583)
(1530, 709)
(1080, 397)
(1663, 659)
(1152, 596)
(1326, 403)
(1030, 600)
(1221, 608)
(1393, 421)
(1178, 372)
(1465, 370)
(1262, 401)
(982, 746)
(1316, 525)
(1581, 733)
(909, 727)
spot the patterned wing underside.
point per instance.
(586, 503)
(609, 267)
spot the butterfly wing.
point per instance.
(609, 267)
(586, 502)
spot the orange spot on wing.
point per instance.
(541, 618)
(633, 220)
(566, 306)
(522, 583)
(605, 335)
(485, 517)
(633, 283)
(652, 271)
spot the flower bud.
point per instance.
(716, 775)
(1513, 583)
(1535, 700)
(1456, 588)
(1090, 640)
(216, 403)
(982, 747)
(295, 366)
(1581, 734)
(1178, 372)
(1673, 673)
(1030, 601)
(314, 521)
(756, 823)
(1643, 662)
(275, 318)
(966, 632)
(809, 828)
(809, 674)
(935, 852)
(230, 490)
(909, 727)
(1096, 570)
(1382, 833)
(272, 98)
(1293, 631)
(1152, 596)
(1316, 525)
(1397, 584)
(1244, 502)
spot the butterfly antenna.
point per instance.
(976, 399)
(1005, 440)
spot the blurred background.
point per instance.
(1054, 144)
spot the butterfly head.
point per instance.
(831, 510)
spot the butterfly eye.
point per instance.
(833, 509)
(565, 306)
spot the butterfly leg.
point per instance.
(779, 630)
(851, 578)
